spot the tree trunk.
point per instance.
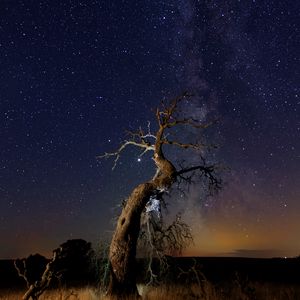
(122, 253)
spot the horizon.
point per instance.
(191, 252)
(215, 255)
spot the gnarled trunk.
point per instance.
(122, 253)
(124, 242)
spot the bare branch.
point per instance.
(138, 139)
(159, 240)
(208, 171)
(140, 135)
(166, 113)
(22, 270)
(117, 154)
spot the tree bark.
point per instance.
(122, 253)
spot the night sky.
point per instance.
(74, 75)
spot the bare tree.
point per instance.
(39, 273)
(37, 288)
(122, 254)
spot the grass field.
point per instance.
(205, 291)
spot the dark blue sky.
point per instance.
(75, 74)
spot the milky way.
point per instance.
(75, 74)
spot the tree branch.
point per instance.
(207, 171)
(147, 147)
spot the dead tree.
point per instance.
(37, 288)
(71, 257)
(122, 255)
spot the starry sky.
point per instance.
(76, 74)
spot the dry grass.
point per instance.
(205, 291)
(61, 294)
(233, 292)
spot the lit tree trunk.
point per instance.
(123, 246)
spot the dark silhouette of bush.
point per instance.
(74, 262)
